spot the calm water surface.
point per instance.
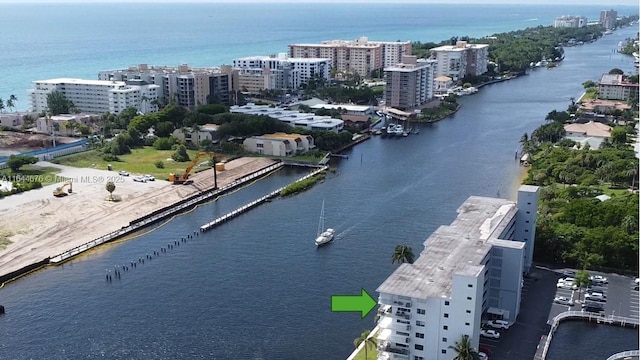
(257, 287)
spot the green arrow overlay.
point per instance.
(363, 303)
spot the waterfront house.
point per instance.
(279, 144)
(616, 87)
(196, 135)
(591, 132)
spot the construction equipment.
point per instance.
(59, 191)
(184, 177)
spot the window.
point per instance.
(418, 358)
(419, 347)
(446, 303)
(445, 327)
(422, 311)
(468, 297)
(469, 285)
(468, 311)
(419, 323)
(444, 351)
(467, 324)
(420, 335)
(444, 339)
(446, 315)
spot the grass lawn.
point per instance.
(140, 161)
(45, 175)
(372, 353)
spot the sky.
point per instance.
(608, 3)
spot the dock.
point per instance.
(243, 209)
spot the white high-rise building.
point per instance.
(257, 73)
(96, 96)
(570, 21)
(469, 269)
(456, 61)
(409, 84)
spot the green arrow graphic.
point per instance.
(363, 303)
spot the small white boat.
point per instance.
(325, 236)
(399, 130)
(391, 129)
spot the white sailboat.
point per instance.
(324, 236)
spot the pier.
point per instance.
(241, 210)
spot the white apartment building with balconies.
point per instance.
(308, 121)
(456, 61)
(279, 72)
(409, 84)
(473, 266)
(96, 96)
(570, 21)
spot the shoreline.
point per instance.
(44, 227)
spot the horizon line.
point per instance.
(238, 2)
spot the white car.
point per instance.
(498, 324)
(563, 300)
(150, 177)
(566, 285)
(123, 173)
(140, 179)
(483, 356)
(595, 296)
(490, 333)
(598, 279)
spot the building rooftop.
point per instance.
(592, 128)
(81, 81)
(458, 248)
(347, 107)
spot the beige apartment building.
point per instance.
(359, 56)
(456, 61)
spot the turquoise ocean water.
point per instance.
(42, 41)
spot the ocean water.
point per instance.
(43, 41)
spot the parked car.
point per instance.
(598, 289)
(597, 279)
(140, 179)
(150, 177)
(483, 356)
(591, 306)
(563, 300)
(595, 296)
(566, 285)
(490, 333)
(485, 349)
(498, 324)
(123, 173)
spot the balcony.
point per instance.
(390, 351)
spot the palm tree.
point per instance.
(402, 254)
(11, 102)
(632, 172)
(464, 350)
(581, 281)
(1, 105)
(367, 340)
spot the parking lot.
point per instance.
(539, 290)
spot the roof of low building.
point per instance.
(443, 78)
(355, 118)
(591, 128)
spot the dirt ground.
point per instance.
(41, 225)
(11, 140)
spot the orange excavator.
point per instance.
(59, 191)
(184, 177)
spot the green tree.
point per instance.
(464, 350)
(181, 154)
(589, 84)
(616, 71)
(15, 162)
(58, 104)
(402, 254)
(111, 187)
(164, 129)
(368, 341)
(619, 136)
(1, 105)
(11, 102)
(581, 281)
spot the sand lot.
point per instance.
(44, 226)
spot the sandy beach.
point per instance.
(43, 226)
